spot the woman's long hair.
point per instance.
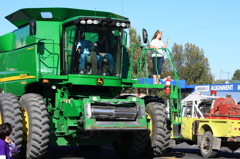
(156, 33)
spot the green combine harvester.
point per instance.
(48, 102)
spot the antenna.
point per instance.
(95, 7)
(122, 7)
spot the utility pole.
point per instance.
(228, 75)
(220, 74)
(221, 71)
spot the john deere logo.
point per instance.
(99, 81)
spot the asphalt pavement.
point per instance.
(183, 150)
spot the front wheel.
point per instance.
(159, 133)
(35, 126)
(10, 113)
(206, 146)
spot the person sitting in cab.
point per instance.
(83, 48)
(101, 46)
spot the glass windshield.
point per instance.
(96, 50)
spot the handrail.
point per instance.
(50, 55)
(175, 95)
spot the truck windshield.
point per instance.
(95, 50)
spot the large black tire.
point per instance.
(10, 113)
(152, 98)
(131, 144)
(206, 146)
(35, 126)
(159, 133)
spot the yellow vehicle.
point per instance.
(210, 122)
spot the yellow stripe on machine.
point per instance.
(13, 78)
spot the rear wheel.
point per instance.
(131, 144)
(206, 146)
(10, 113)
(35, 125)
(158, 133)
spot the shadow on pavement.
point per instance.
(107, 152)
(221, 153)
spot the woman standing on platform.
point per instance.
(158, 55)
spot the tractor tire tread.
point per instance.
(38, 137)
(11, 113)
(160, 137)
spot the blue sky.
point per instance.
(212, 25)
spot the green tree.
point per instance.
(190, 63)
(219, 81)
(236, 75)
(196, 69)
(134, 40)
(178, 58)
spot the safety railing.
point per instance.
(142, 71)
(47, 66)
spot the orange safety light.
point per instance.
(45, 81)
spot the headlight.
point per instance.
(89, 21)
(118, 24)
(123, 24)
(83, 22)
(95, 22)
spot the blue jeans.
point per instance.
(109, 57)
(83, 58)
(157, 65)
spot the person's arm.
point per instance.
(13, 148)
(78, 45)
(165, 46)
(11, 145)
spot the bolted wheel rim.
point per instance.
(149, 124)
(25, 123)
(206, 145)
(0, 117)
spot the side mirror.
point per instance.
(124, 42)
(32, 27)
(144, 36)
(40, 48)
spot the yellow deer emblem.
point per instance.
(99, 81)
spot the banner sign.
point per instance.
(233, 87)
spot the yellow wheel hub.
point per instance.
(25, 122)
(149, 124)
(0, 118)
